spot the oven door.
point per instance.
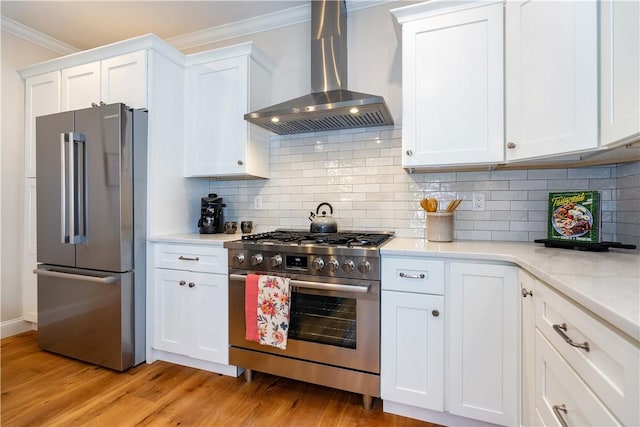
(332, 321)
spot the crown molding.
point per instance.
(41, 39)
(270, 21)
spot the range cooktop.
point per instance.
(356, 239)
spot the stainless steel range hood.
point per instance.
(330, 106)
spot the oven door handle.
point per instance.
(316, 285)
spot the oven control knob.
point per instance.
(364, 267)
(317, 264)
(256, 259)
(348, 266)
(333, 265)
(275, 261)
(238, 258)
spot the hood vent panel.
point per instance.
(331, 106)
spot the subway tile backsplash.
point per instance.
(359, 172)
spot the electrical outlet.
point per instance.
(257, 203)
(478, 202)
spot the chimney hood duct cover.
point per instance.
(330, 106)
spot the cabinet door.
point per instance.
(217, 98)
(30, 283)
(620, 71)
(484, 326)
(412, 342)
(452, 73)
(80, 86)
(171, 311)
(124, 79)
(42, 97)
(209, 317)
(527, 285)
(551, 77)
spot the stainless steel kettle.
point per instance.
(321, 222)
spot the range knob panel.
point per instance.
(275, 261)
(317, 264)
(256, 259)
(348, 266)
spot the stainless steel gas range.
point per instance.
(334, 328)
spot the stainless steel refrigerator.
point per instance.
(91, 218)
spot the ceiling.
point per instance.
(88, 24)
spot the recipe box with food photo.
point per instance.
(574, 216)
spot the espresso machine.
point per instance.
(211, 215)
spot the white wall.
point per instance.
(16, 53)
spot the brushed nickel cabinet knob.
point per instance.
(511, 145)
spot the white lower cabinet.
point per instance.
(484, 331)
(562, 398)
(189, 318)
(587, 373)
(413, 325)
(190, 307)
(450, 341)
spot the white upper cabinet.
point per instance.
(551, 77)
(42, 97)
(452, 84)
(117, 79)
(124, 79)
(619, 72)
(222, 86)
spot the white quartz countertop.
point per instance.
(606, 283)
(196, 239)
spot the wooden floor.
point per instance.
(43, 389)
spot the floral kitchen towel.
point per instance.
(251, 308)
(273, 310)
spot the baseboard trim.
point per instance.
(17, 326)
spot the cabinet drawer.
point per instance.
(417, 275)
(611, 367)
(557, 384)
(206, 259)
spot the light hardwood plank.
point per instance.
(44, 389)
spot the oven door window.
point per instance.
(323, 319)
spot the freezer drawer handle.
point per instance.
(61, 275)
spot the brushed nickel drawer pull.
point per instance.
(186, 258)
(412, 276)
(525, 292)
(556, 411)
(561, 329)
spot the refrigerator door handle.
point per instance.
(73, 200)
(60, 275)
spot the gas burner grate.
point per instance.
(348, 239)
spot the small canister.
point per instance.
(440, 226)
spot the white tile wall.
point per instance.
(359, 172)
